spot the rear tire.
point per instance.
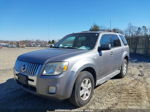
(124, 69)
(83, 89)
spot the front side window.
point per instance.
(85, 41)
(105, 40)
(115, 42)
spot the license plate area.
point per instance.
(22, 79)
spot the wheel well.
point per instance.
(127, 58)
(92, 71)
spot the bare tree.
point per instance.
(139, 31)
(148, 31)
(145, 30)
(131, 30)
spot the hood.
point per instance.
(51, 54)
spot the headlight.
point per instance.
(55, 68)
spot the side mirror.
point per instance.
(104, 47)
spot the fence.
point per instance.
(139, 45)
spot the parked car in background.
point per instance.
(74, 66)
(12, 46)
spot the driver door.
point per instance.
(105, 59)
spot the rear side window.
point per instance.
(105, 40)
(115, 41)
(124, 40)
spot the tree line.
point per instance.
(130, 31)
(133, 31)
(51, 42)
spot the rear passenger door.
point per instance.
(116, 51)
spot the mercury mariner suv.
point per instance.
(74, 66)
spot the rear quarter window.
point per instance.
(123, 39)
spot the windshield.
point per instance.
(85, 41)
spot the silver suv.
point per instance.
(74, 66)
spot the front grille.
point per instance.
(27, 68)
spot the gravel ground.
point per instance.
(131, 93)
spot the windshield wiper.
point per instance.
(65, 47)
(55, 47)
(69, 47)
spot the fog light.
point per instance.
(52, 90)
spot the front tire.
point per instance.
(83, 89)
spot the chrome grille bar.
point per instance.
(30, 68)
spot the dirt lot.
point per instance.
(131, 92)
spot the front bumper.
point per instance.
(40, 85)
